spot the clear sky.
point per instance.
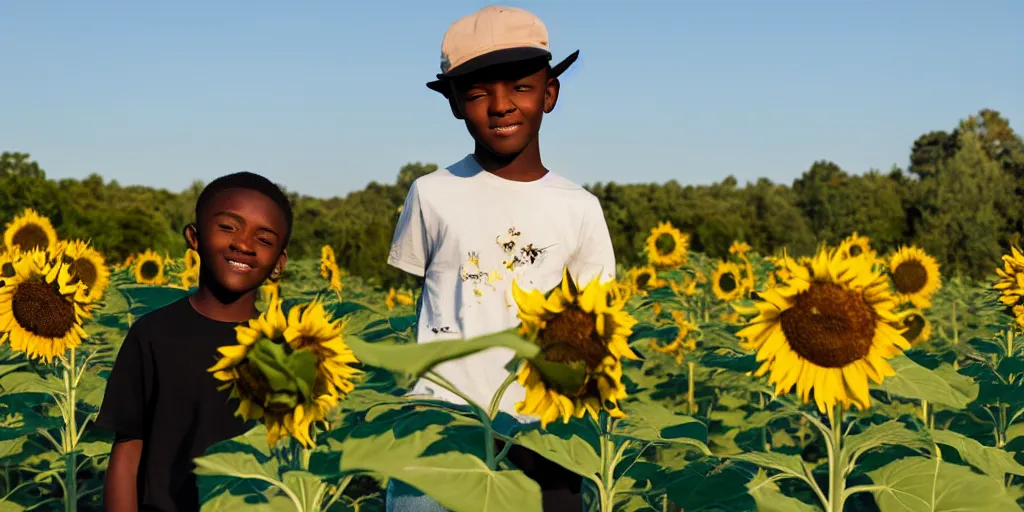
(327, 96)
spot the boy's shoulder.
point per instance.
(444, 182)
(163, 321)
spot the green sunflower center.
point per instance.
(914, 324)
(727, 282)
(31, 236)
(665, 243)
(277, 377)
(41, 310)
(149, 270)
(909, 277)
(7, 270)
(829, 325)
(572, 337)
(856, 250)
(85, 271)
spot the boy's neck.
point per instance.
(524, 166)
(224, 307)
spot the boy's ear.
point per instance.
(282, 261)
(454, 104)
(191, 237)
(551, 95)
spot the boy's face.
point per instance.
(241, 239)
(503, 105)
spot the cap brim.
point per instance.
(496, 58)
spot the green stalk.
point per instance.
(837, 477)
(71, 433)
(492, 461)
(952, 314)
(690, 399)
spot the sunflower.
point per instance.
(270, 291)
(581, 329)
(827, 329)
(288, 371)
(1011, 278)
(682, 343)
(401, 297)
(726, 282)
(643, 279)
(739, 248)
(917, 328)
(30, 231)
(190, 276)
(666, 246)
(915, 276)
(855, 246)
(88, 266)
(149, 269)
(42, 305)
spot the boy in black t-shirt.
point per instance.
(161, 401)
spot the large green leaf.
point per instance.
(415, 359)
(458, 481)
(790, 465)
(769, 497)
(918, 484)
(572, 453)
(237, 465)
(991, 461)
(890, 433)
(939, 386)
(646, 421)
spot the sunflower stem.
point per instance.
(492, 462)
(952, 315)
(71, 380)
(924, 412)
(837, 474)
(691, 368)
(495, 405)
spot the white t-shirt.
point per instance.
(469, 233)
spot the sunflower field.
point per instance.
(843, 379)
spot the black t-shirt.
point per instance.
(159, 391)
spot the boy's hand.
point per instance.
(120, 492)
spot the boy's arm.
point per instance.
(123, 411)
(410, 249)
(120, 490)
(594, 256)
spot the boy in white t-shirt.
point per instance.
(496, 216)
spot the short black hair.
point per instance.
(248, 181)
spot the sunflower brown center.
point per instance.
(643, 280)
(856, 250)
(84, 271)
(31, 236)
(570, 337)
(665, 244)
(40, 309)
(829, 325)
(914, 324)
(149, 269)
(909, 277)
(254, 385)
(7, 270)
(727, 282)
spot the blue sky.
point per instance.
(327, 96)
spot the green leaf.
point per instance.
(574, 453)
(415, 359)
(769, 497)
(304, 486)
(290, 374)
(458, 481)
(30, 382)
(94, 448)
(890, 433)
(237, 465)
(939, 386)
(791, 465)
(991, 461)
(652, 422)
(227, 502)
(564, 376)
(918, 484)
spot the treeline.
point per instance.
(960, 199)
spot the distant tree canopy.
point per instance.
(959, 199)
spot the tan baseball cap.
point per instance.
(493, 35)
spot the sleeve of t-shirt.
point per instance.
(126, 398)
(594, 255)
(409, 250)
